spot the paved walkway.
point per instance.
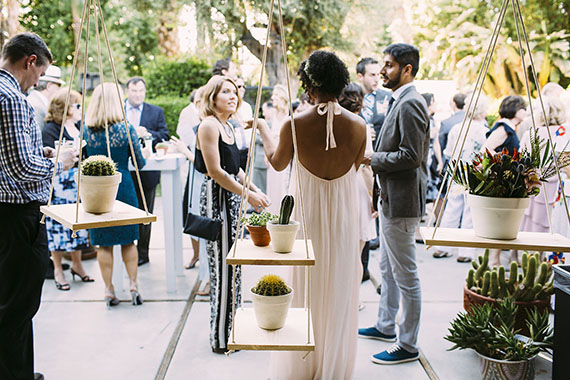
(77, 337)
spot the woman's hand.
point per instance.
(181, 147)
(258, 200)
(261, 123)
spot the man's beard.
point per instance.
(394, 83)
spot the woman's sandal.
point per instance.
(191, 264)
(63, 287)
(463, 259)
(441, 254)
(85, 278)
(205, 291)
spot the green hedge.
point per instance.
(174, 77)
(172, 106)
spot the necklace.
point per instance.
(227, 129)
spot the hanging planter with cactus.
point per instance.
(271, 300)
(284, 230)
(99, 184)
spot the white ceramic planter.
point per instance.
(283, 235)
(494, 369)
(98, 193)
(497, 218)
(271, 311)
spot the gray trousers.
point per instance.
(399, 279)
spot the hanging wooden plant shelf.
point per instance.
(246, 253)
(291, 337)
(122, 215)
(528, 241)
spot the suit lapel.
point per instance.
(144, 115)
(390, 116)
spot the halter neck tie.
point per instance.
(330, 108)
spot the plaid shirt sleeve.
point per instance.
(21, 155)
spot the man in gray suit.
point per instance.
(399, 163)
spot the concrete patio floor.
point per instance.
(77, 337)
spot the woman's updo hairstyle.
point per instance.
(323, 72)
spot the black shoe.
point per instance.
(379, 289)
(38, 376)
(365, 276)
(143, 262)
(374, 244)
(65, 266)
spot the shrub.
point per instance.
(172, 106)
(175, 77)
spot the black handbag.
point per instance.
(198, 225)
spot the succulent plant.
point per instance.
(98, 165)
(271, 285)
(286, 209)
(535, 283)
(259, 219)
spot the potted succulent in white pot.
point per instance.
(489, 330)
(499, 186)
(284, 230)
(256, 225)
(99, 184)
(271, 300)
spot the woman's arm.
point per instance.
(495, 139)
(278, 155)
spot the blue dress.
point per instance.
(120, 153)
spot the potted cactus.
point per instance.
(256, 225)
(490, 331)
(99, 184)
(283, 231)
(271, 300)
(530, 289)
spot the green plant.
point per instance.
(175, 77)
(536, 282)
(172, 106)
(490, 331)
(271, 285)
(503, 176)
(98, 165)
(259, 219)
(287, 204)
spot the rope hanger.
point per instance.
(519, 23)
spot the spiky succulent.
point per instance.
(271, 285)
(98, 165)
(259, 219)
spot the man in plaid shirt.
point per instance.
(26, 169)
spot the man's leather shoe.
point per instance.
(38, 376)
(143, 262)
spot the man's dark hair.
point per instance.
(25, 44)
(459, 100)
(352, 97)
(325, 72)
(405, 54)
(361, 65)
(428, 97)
(135, 80)
(511, 105)
(220, 65)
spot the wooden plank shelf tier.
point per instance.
(292, 337)
(529, 241)
(122, 215)
(249, 254)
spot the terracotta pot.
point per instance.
(494, 369)
(271, 311)
(471, 298)
(497, 218)
(259, 235)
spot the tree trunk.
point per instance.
(10, 19)
(274, 66)
(168, 31)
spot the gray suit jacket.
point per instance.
(400, 157)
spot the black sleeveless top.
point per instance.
(229, 158)
(511, 142)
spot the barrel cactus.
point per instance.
(535, 283)
(271, 285)
(286, 209)
(98, 165)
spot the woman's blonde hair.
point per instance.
(281, 92)
(209, 93)
(96, 115)
(554, 108)
(480, 111)
(57, 105)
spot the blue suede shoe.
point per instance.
(395, 355)
(372, 333)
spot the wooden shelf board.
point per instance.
(122, 215)
(249, 254)
(292, 337)
(531, 241)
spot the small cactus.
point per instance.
(286, 209)
(494, 291)
(483, 267)
(486, 284)
(98, 165)
(271, 285)
(471, 278)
